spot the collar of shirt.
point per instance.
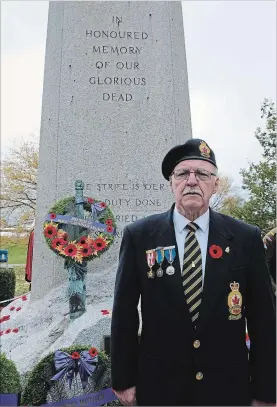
(180, 221)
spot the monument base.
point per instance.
(45, 326)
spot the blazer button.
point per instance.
(196, 343)
(199, 376)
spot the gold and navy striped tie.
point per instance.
(192, 272)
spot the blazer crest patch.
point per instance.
(234, 302)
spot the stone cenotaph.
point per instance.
(115, 100)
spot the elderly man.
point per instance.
(200, 275)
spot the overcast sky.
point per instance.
(231, 54)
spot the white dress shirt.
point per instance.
(202, 233)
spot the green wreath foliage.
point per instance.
(94, 245)
(39, 379)
(9, 376)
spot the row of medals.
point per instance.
(158, 255)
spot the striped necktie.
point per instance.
(192, 272)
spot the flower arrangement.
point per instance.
(86, 247)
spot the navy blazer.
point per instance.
(163, 365)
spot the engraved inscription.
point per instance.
(105, 67)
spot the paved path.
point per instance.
(4, 265)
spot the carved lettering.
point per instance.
(126, 46)
(117, 97)
(125, 187)
(123, 35)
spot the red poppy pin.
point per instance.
(215, 252)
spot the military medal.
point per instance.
(159, 259)
(234, 302)
(170, 254)
(150, 257)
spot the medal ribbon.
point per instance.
(170, 254)
(160, 255)
(151, 257)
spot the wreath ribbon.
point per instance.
(87, 223)
(66, 365)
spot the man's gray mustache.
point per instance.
(191, 191)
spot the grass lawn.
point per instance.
(21, 287)
(17, 247)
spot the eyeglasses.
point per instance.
(200, 174)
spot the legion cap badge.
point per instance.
(234, 302)
(204, 149)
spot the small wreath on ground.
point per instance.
(40, 389)
(97, 230)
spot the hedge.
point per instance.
(9, 376)
(7, 284)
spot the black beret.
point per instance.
(193, 149)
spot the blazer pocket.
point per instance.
(149, 356)
(237, 268)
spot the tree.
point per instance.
(19, 182)
(227, 196)
(259, 180)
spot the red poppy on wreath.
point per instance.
(18, 308)
(58, 243)
(4, 318)
(8, 331)
(15, 330)
(93, 352)
(86, 250)
(75, 355)
(53, 215)
(50, 231)
(99, 244)
(1, 333)
(24, 297)
(109, 222)
(12, 308)
(70, 250)
(103, 205)
(90, 200)
(82, 240)
(215, 251)
(109, 229)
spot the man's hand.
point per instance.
(261, 403)
(127, 397)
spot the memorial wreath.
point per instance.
(96, 234)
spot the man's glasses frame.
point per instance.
(200, 174)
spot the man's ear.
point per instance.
(216, 185)
(170, 184)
